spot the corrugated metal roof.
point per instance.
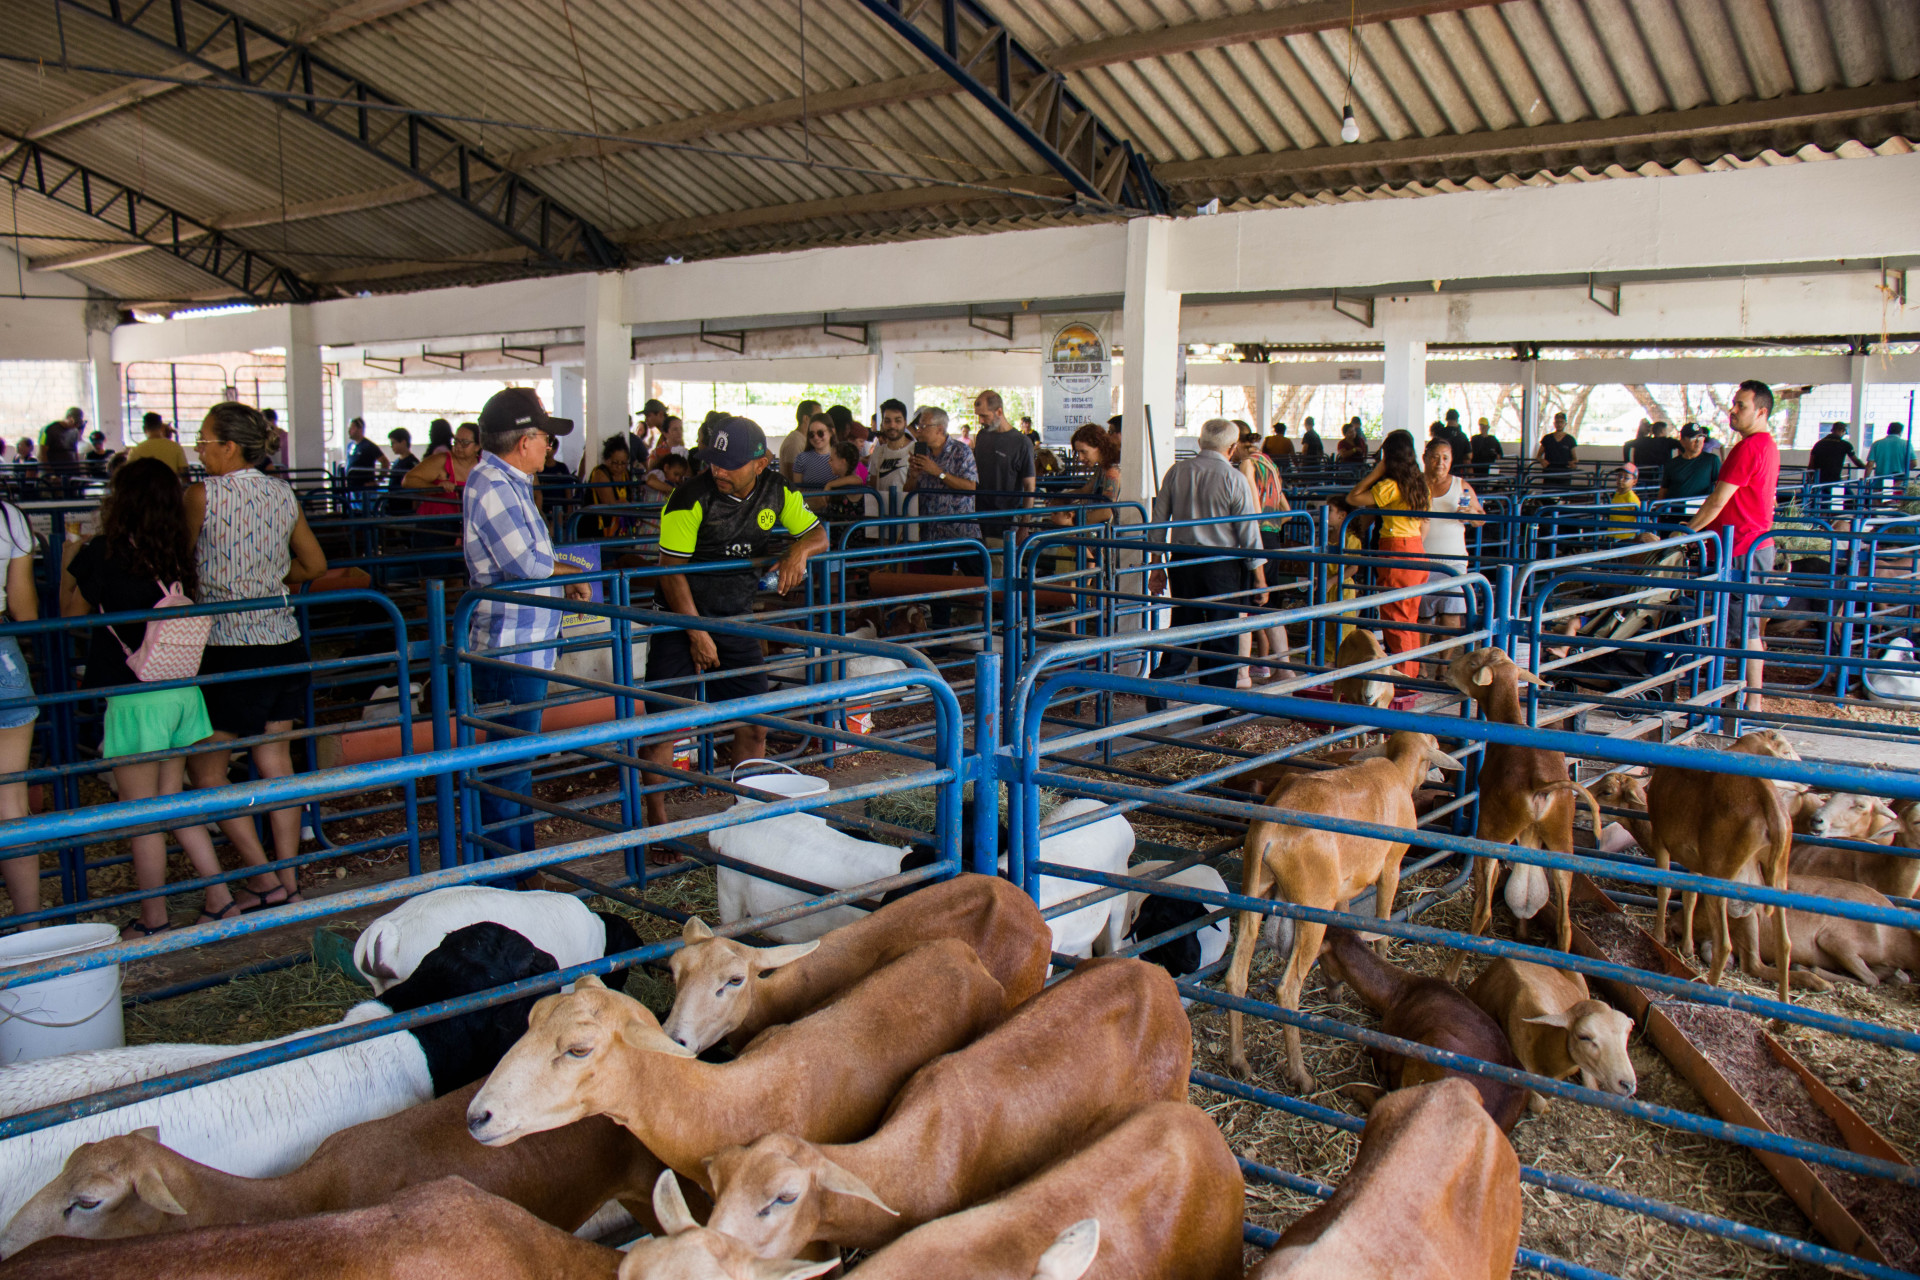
(1459, 96)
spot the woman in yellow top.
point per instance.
(1397, 483)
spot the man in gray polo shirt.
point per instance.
(1198, 488)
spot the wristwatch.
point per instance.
(942, 477)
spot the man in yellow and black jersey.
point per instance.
(728, 512)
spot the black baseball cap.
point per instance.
(732, 443)
(518, 407)
(652, 406)
(1690, 431)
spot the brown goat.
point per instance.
(1324, 868)
(1719, 824)
(1526, 799)
(1897, 875)
(1160, 1197)
(826, 1077)
(1829, 945)
(725, 989)
(1556, 1027)
(448, 1229)
(1072, 1062)
(1433, 1194)
(1429, 1011)
(131, 1185)
(1374, 688)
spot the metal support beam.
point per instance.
(850, 331)
(1604, 296)
(1362, 312)
(409, 141)
(734, 340)
(31, 167)
(1029, 98)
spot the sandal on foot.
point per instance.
(261, 901)
(134, 930)
(229, 912)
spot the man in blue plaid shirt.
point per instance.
(506, 542)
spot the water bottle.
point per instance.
(770, 580)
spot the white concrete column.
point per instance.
(108, 409)
(1264, 409)
(1529, 407)
(350, 402)
(1406, 383)
(1150, 340)
(889, 377)
(306, 423)
(569, 402)
(609, 367)
(1857, 375)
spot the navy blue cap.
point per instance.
(732, 443)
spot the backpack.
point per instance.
(173, 646)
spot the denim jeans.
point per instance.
(519, 687)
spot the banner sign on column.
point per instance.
(1076, 378)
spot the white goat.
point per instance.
(1099, 846)
(1894, 685)
(559, 924)
(593, 664)
(799, 845)
(1208, 944)
(385, 703)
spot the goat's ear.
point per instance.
(590, 982)
(151, 1187)
(151, 1133)
(1444, 761)
(645, 1034)
(1071, 1252)
(831, 1177)
(777, 957)
(1483, 676)
(1528, 676)
(695, 930)
(1374, 752)
(1563, 1019)
(670, 1206)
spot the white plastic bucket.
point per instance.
(790, 785)
(61, 1015)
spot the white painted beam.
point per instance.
(609, 364)
(1405, 370)
(306, 394)
(108, 415)
(1628, 224)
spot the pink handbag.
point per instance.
(173, 646)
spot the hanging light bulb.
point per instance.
(1349, 127)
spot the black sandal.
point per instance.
(134, 929)
(261, 901)
(231, 911)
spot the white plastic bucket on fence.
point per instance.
(791, 785)
(61, 1015)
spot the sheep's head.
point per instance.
(1849, 816)
(108, 1189)
(685, 1250)
(771, 1196)
(713, 980)
(1597, 1042)
(1414, 752)
(567, 1065)
(1477, 671)
(1620, 791)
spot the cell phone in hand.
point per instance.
(920, 449)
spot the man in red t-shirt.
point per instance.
(1742, 500)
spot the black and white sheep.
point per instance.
(559, 924)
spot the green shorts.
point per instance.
(157, 720)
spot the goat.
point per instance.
(1158, 1198)
(1896, 875)
(1434, 1193)
(1082, 1055)
(1829, 944)
(1556, 1028)
(1526, 799)
(559, 924)
(1369, 690)
(1150, 914)
(592, 664)
(1429, 1011)
(1325, 869)
(802, 845)
(1718, 824)
(266, 1122)
(441, 1230)
(727, 990)
(1099, 846)
(131, 1185)
(826, 1077)
(385, 702)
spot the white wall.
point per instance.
(46, 316)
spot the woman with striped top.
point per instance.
(251, 541)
